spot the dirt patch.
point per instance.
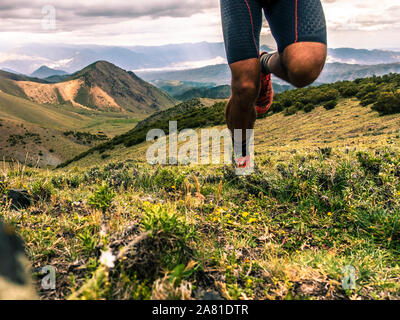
(103, 100)
(51, 93)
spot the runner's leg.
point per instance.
(299, 29)
(241, 22)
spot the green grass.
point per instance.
(285, 232)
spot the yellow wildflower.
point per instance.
(329, 213)
(245, 214)
(251, 220)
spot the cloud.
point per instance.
(154, 9)
(366, 15)
(129, 22)
(115, 9)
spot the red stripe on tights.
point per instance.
(252, 26)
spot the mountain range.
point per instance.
(101, 86)
(71, 58)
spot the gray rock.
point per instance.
(20, 198)
(202, 294)
(15, 279)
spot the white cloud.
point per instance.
(157, 22)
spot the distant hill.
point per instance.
(219, 92)
(175, 88)
(99, 86)
(55, 79)
(362, 56)
(45, 72)
(19, 77)
(340, 71)
(10, 70)
(220, 73)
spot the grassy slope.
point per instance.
(16, 108)
(348, 125)
(50, 122)
(285, 232)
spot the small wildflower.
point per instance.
(107, 259)
(146, 203)
(398, 193)
(228, 267)
(173, 187)
(249, 282)
(245, 214)
(230, 221)
(251, 220)
(48, 229)
(329, 213)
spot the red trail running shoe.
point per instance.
(266, 95)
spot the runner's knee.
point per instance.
(245, 91)
(304, 73)
(304, 68)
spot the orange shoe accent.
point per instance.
(266, 96)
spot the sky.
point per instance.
(351, 23)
